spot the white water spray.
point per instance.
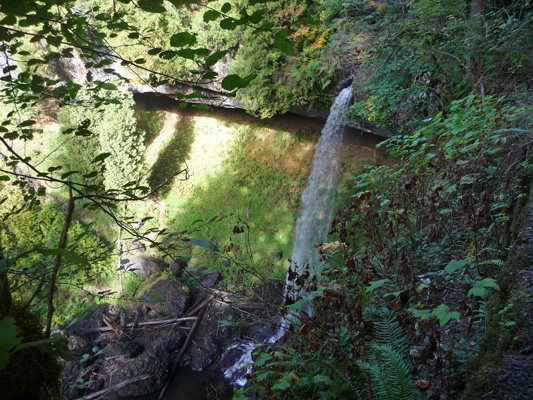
(314, 222)
(318, 197)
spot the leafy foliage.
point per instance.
(424, 55)
(112, 132)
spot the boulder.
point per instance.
(210, 280)
(164, 295)
(146, 363)
(209, 338)
(145, 266)
(177, 266)
(127, 349)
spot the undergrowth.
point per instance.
(418, 243)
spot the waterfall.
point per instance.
(314, 222)
(318, 197)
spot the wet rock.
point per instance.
(177, 266)
(173, 341)
(164, 295)
(127, 349)
(145, 266)
(147, 363)
(211, 280)
(71, 372)
(138, 246)
(209, 339)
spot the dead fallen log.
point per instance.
(140, 324)
(201, 309)
(114, 387)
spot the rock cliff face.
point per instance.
(212, 93)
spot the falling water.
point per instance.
(313, 224)
(319, 196)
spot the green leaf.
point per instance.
(67, 174)
(286, 46)
(262, 359)
(257, 16)
(8, 339)
(480, 288)
(204, 243)
(202, 107)
(321, 380)
(194, 96)
(228, 24)
(152, 6)
(377, 284)
(4, 178)
(100, 157)
(444, 314)
(232, 82)
(154, 51)
(213, 58)
(182, 39)
(210, 75)
(186, 53)
(211, 15)
(28, 122)
(454, 266)
(90, 175)
(72, 256)
(108, 86)
(9, 19)
(226, 8)
(283, 383)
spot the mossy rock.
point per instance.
(164, 295)
(147, 363)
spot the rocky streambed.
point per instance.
(131, 347)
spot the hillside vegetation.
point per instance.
(420, 292)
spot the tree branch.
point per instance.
(57, 262)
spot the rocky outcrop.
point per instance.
(145, 266)
(164, 296)
(118, 343)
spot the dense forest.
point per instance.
(147, 223)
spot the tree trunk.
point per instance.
(476, 8)
(57, 262)
(5, 292)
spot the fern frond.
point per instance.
(496, 261)
(389, 374)
(389, 332)
(397, 371)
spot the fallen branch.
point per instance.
(148, 323)
(117, 386)
(203, 305)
